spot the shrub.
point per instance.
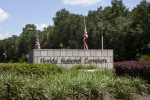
(145, 58)
(133, 68)
(39, 69)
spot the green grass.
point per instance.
(72, 84)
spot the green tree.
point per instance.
(68, 30)
(140, 28)
(9, 47)
(46, 37)
(26, 40)
(126, 32)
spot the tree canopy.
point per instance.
(126, 31)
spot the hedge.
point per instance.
(20, 68)
(133, 68)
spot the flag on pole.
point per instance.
(85, 37)
(37, 43)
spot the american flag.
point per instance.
(37, 43)
(85, 37)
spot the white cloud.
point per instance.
(3, 15)
(81, 2)
(104, 3)
(3, 36)
(41, 26)
(38, 26)
(130, 6)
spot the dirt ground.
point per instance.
(142, 98)
(139, 98)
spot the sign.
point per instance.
(73, 61)
(72, 57)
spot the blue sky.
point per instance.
(14, 14)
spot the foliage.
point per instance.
(145, 58)
(28, 69)
(133, 68)
(71, 84)
(126, 32)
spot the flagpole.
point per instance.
(37, 43)
(102, 29)
(85, 36)
(102, 37)
(36, 35)
(102, 41)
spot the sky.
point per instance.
(15, 14)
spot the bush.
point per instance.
(145, 58)
(133, 68)
(39, 69)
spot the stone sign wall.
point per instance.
(72, 57)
